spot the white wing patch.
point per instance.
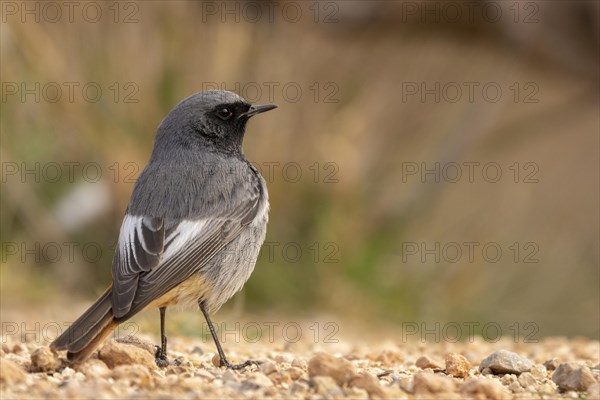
(176, 243)
(127, 239)
(180, 239)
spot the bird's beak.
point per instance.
(257, 110)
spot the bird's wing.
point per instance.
(154, 255)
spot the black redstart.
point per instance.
(193, 228)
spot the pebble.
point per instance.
(44, 360)
(260, 379)
(280, 378)
(241, 386)
(572, 376)
(133, 375)
(539, 372)
(115, 353)
(284, 358)
(506, 362)
(406, 383)
(369, 383)
(594, 391)
(548, 387)
(341, 370)
(191, 383)
(515, 387)
(216, 360)
(373, 373)
(23, 362)
(552, 364)
(486, 388)
(178, 370)
(78, 376)
(355, 392)
(425, 362)
(299, 387)
(295, 373)
(508, 379)
(527, 379)
(427, 383)
(93, 368)
(325, 386)
(202, 373)
(11, 373)
(389, 357)
(19, 348)
(70, 385)
(134, 341)
(268, 368)
(229, 376)
(353, 357)
(299, 363)
(457, 365)
(472, 357)
(68, 372)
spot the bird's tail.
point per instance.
(89, 331)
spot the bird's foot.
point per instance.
(225, 363)
(161, 358)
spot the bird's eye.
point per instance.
(224, 113)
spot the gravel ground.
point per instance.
(125, 368)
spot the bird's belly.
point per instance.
(225, 274)
(185, 295)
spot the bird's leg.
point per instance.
(222, 359)
(161, 352)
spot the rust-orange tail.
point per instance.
(89, 331)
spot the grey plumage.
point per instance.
(195, 221)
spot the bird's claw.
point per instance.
(161, 358)
(239, 366)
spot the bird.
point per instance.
(193, 227)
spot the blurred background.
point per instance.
(429, 162)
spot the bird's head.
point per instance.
(214, 118)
